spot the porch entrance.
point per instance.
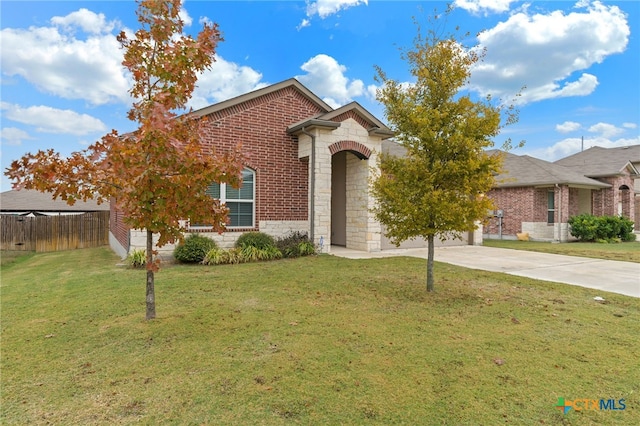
(339, 199)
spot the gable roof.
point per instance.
(377, 126)
(600, 162)
(523, 170)
(326, 120)
(26, 200)
(292, 82)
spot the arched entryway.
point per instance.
(348, 185)
(624, 201)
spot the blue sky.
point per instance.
(63, 86)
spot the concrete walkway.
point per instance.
(607, 275)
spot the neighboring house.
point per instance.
(620, 168)
(32, 203)
(308, 168)
(536, 197)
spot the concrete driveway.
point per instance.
(607, 275)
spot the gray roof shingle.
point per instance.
(523, 170)
(30, 200)
(598, 161)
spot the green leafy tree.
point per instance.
(159, 173)
(436, 190)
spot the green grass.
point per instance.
(8, 257)
(628, 252)
(317, 340)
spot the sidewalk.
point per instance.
(607, 275)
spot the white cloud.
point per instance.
(325, 77)
(184, 15)
(371, 92)
(303, 24)
(13, 136)
(483, 6)
(571, 146)
(52, 120)
(223, 81)
(57, 62)
(629, 125)
(325, 8)
(204, 20)
(606, 130)
(568, 127)
(84, 19)
(548, 53)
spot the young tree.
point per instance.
(159, 173)
(437, 189)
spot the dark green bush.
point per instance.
(589, 228)
(259, 240)
(295, 244)
(626, 230)
(584, 227)
(194, 248)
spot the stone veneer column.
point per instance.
(322, 202)
(363, 231)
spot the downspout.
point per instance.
(559, 213)
(312, 185)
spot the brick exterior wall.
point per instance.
(518, 205)
(281, 178)
(525, 209)
(260, 125)
(610, 201)
(119, 231)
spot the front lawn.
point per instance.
(628, 252)
(316, 340)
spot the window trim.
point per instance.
(551, 196)
(223, 201)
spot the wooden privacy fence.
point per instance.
(55, 233)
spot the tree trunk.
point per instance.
(151, 293)
(430, 253)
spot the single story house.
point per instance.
(308, 167)
(537, 197)
(31, 203)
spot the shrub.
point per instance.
(306, 248)
(215, 256)
(194, 248)
(259, 240)
(295, 244)
(584, 227)
(626, 230)
(587, 227)
(241, 255)
(137, 258)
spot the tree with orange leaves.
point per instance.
(159, 173)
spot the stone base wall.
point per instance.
(226, 240)
(538, 231)
(116, 246)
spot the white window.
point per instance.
(240, 202)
